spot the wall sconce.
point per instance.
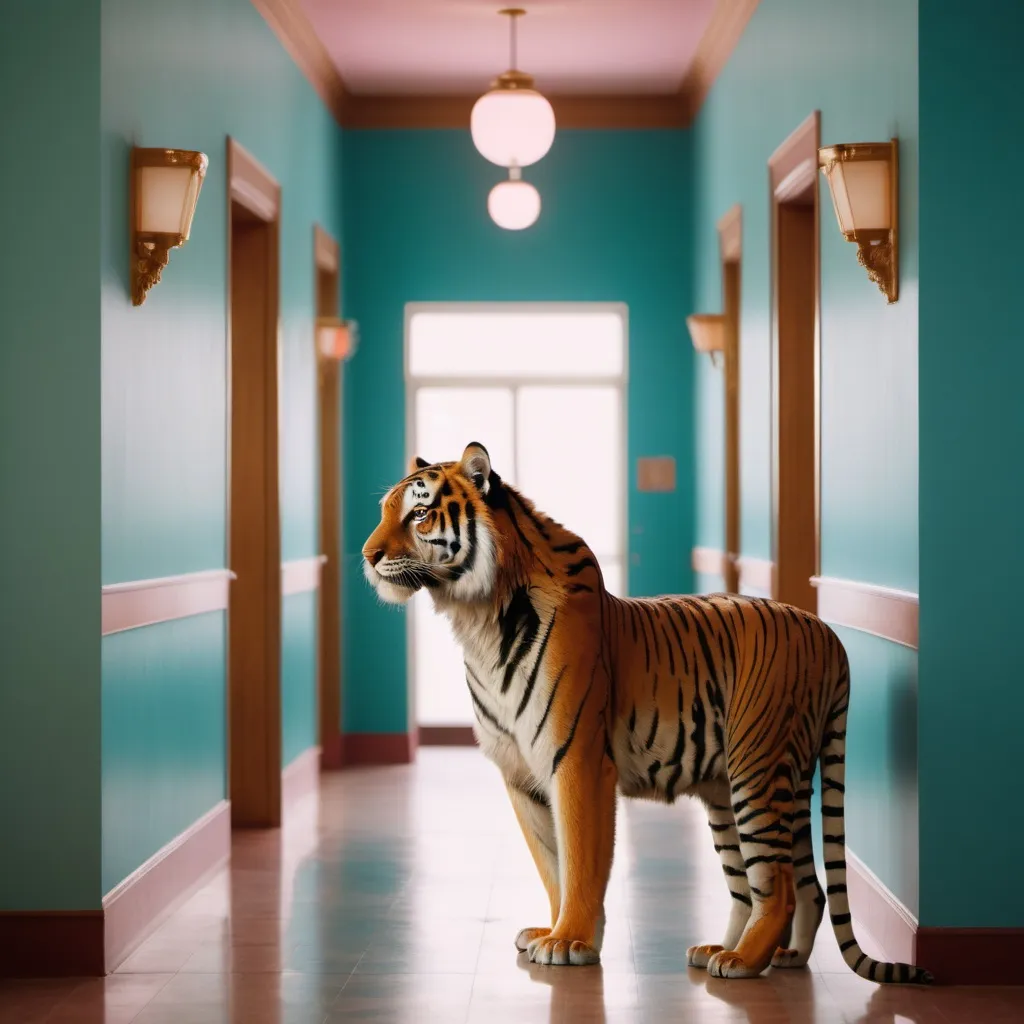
(165, 185)
(707, 331)
(336, 339)
(863, 178)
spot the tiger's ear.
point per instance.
(417, 463)
(476, 464)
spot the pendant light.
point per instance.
(513, 125)
(513, 204)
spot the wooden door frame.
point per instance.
(330, 381)
(730, 247)
(256, 795)
(792, 169)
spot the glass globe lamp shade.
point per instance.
(513, 205)
(512, 127)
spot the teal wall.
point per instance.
(50, 456)
(614, 227)
(972, 484)
(857, 64)
(187, 75)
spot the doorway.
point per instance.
(513, 376)
(254, 610)
(327, 261)
(730, 245)
(793, 170)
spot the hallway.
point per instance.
(396, 896)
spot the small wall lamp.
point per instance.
(165, 185)
(707, 331)
(863, 178)
(336, 339)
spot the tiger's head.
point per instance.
(436, 531)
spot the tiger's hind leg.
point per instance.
(727, 846)
(810, 899)
(764, 819)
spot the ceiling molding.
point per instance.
(728, 20)
(291, 26)
(570, 111)
(678, 110)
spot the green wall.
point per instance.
(857, 64)
(187, 75)
(50, 456)
(972, 483)
(615, 227)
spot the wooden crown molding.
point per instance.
(675, 110)
(728, 20)
(608, 112)
(291, 26)
(881, 611)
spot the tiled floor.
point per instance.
(396, 897)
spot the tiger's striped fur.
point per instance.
(578, 693)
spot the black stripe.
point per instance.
(564, 748)
(653, 732)
(570, 549)
(531, 681)
(837, 888)
(840, 919)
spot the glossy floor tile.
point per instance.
(395, 896)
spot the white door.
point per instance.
(559, 438)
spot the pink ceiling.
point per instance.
(453, 47)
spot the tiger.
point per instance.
(579, 695)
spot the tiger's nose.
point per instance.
(373, 555)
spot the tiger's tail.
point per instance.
(833, 773)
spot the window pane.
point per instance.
(569, 442)
(447, 419)
(510, 344)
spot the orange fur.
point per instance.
(578, 693)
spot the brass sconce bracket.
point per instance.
(163, 191)
(863, 179)
(879, 260)
(148, 261)
(707, 332)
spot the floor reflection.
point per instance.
(395, 897)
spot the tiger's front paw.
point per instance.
(549, 949)
(698, 956)
(527, 935)
(729, 964)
